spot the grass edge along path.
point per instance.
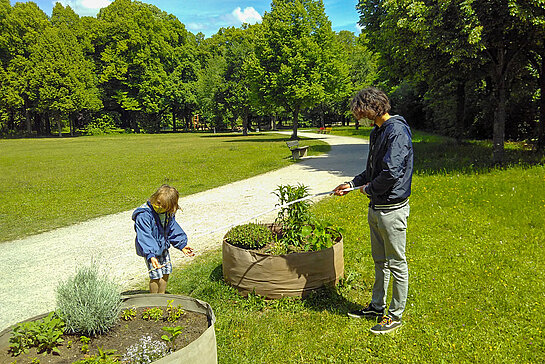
(475, 242)
(56, 182)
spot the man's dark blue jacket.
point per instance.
(389, 165)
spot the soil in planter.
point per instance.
(119, 338)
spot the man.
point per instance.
(387, 182)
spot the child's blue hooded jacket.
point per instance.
(151, 239)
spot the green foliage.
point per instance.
(249, 236)
(44, 334)
(89, 302)
(104, 124)
(153, 314)
(85, 344)
(173, 313)
(295, 215)
(296, 62)
(128, 314)
(103, 357)
(173, 333)
(145, 351)
(319, 235)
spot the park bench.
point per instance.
(323, 130)
(297, 152)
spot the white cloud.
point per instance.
(85, 7)
(248, 15)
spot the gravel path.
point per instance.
(32, 267)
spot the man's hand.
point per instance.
(188, 251)
(339, 190)
(362, 189)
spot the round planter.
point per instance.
(202, 350)
(277, 276)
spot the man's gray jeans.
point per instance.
(388, 240)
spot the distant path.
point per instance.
(31, 268)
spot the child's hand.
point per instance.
(188, 251)
(155, 263)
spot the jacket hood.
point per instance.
(144, 208)
(395, 118)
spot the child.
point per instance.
(156, 229)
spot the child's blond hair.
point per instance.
(166, 197)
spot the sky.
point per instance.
(207, 16)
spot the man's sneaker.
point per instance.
(386, 325)
(368, 311)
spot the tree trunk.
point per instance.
(71, 120)
(173, 120)
(27, 119)
(295, 121)
(460, 109)
(59, 126)
(47, 124)
(245, 122)
(541, 122)
(38, 125)
(11, 120)
(499, 123)
(322, 116)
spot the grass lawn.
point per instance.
(54, 182)
(475, 248)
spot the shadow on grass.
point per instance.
(324, 299)
(442, 157)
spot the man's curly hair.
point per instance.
(370, 101)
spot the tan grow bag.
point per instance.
(202, 350)
(276, 276)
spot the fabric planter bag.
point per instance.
(202, 350)
(277, 276)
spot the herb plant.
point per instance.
(43, 334)
(152, 313)
(88, 302)
(249, 236)
(128, 314)
(145, 351)
(173, 333)
(173, 313)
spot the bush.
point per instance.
(249, 236)
(104, 124)
(89, 303)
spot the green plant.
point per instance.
(152, 313)
(173, 313)
(44, 334)
(128, 314)
(173, 333)
(85, 344)
(145, 351)
(249, 236)
(89, 302)
(319, 235)
(295, 215)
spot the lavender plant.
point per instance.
(89, 302)
(145, 351)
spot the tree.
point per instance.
(466, 37)
(532, 14)
(297, 59)
(23, 24)
(137, 47)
